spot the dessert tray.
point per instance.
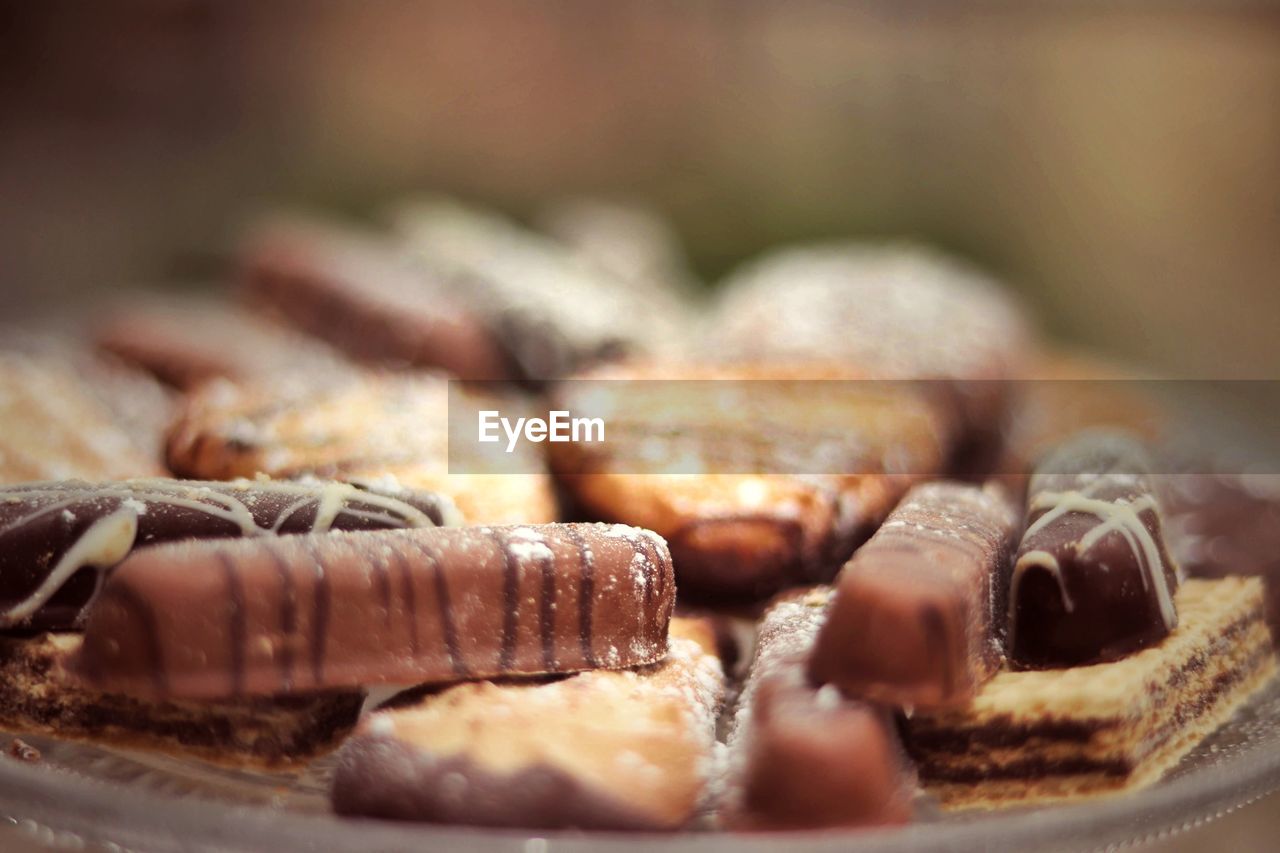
(78, 796)
(220, 577)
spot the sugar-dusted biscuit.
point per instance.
(758, 478)
(379, 429)
(620, 750)
(1036, 736)
(53, 427)
(891, 311)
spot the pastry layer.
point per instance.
(758, 478)
(38, 695)
(601, 750)
(53, 428)
(374, 429)
(1032, 736)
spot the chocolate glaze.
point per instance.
(802, 756)
(916, 612)
(385, 777)
(816, 759)
(311, 612)
(56, 538)
(1093, 580)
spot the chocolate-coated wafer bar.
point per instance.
(803, 756)
(184, 342)
(366, 297)
(56, 537)
(1093, 580)
(628, 750)
(296, 613)
(917, 610)
(554, 314)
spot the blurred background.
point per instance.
(1118, 163)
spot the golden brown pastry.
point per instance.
(370, 429)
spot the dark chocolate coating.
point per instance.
(288, 614)
(916, 612)
(815, 759)
(1093, 580)
(55, 538)
(382, 776)
(807, 757)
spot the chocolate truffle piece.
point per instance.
(367, 297)
(918, 609)
(1093, 580)
(807, 757)
(628, 750)
(55, 538)
(279, 615)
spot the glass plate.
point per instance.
(79, 796)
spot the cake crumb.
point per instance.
(23, 751)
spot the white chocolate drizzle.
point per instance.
(107, 541)
(1117, 516)
(110, 539)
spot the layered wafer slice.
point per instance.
(39, 694)
(52, 427)
(1052, 735)
(388, 429)
(630, 750)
